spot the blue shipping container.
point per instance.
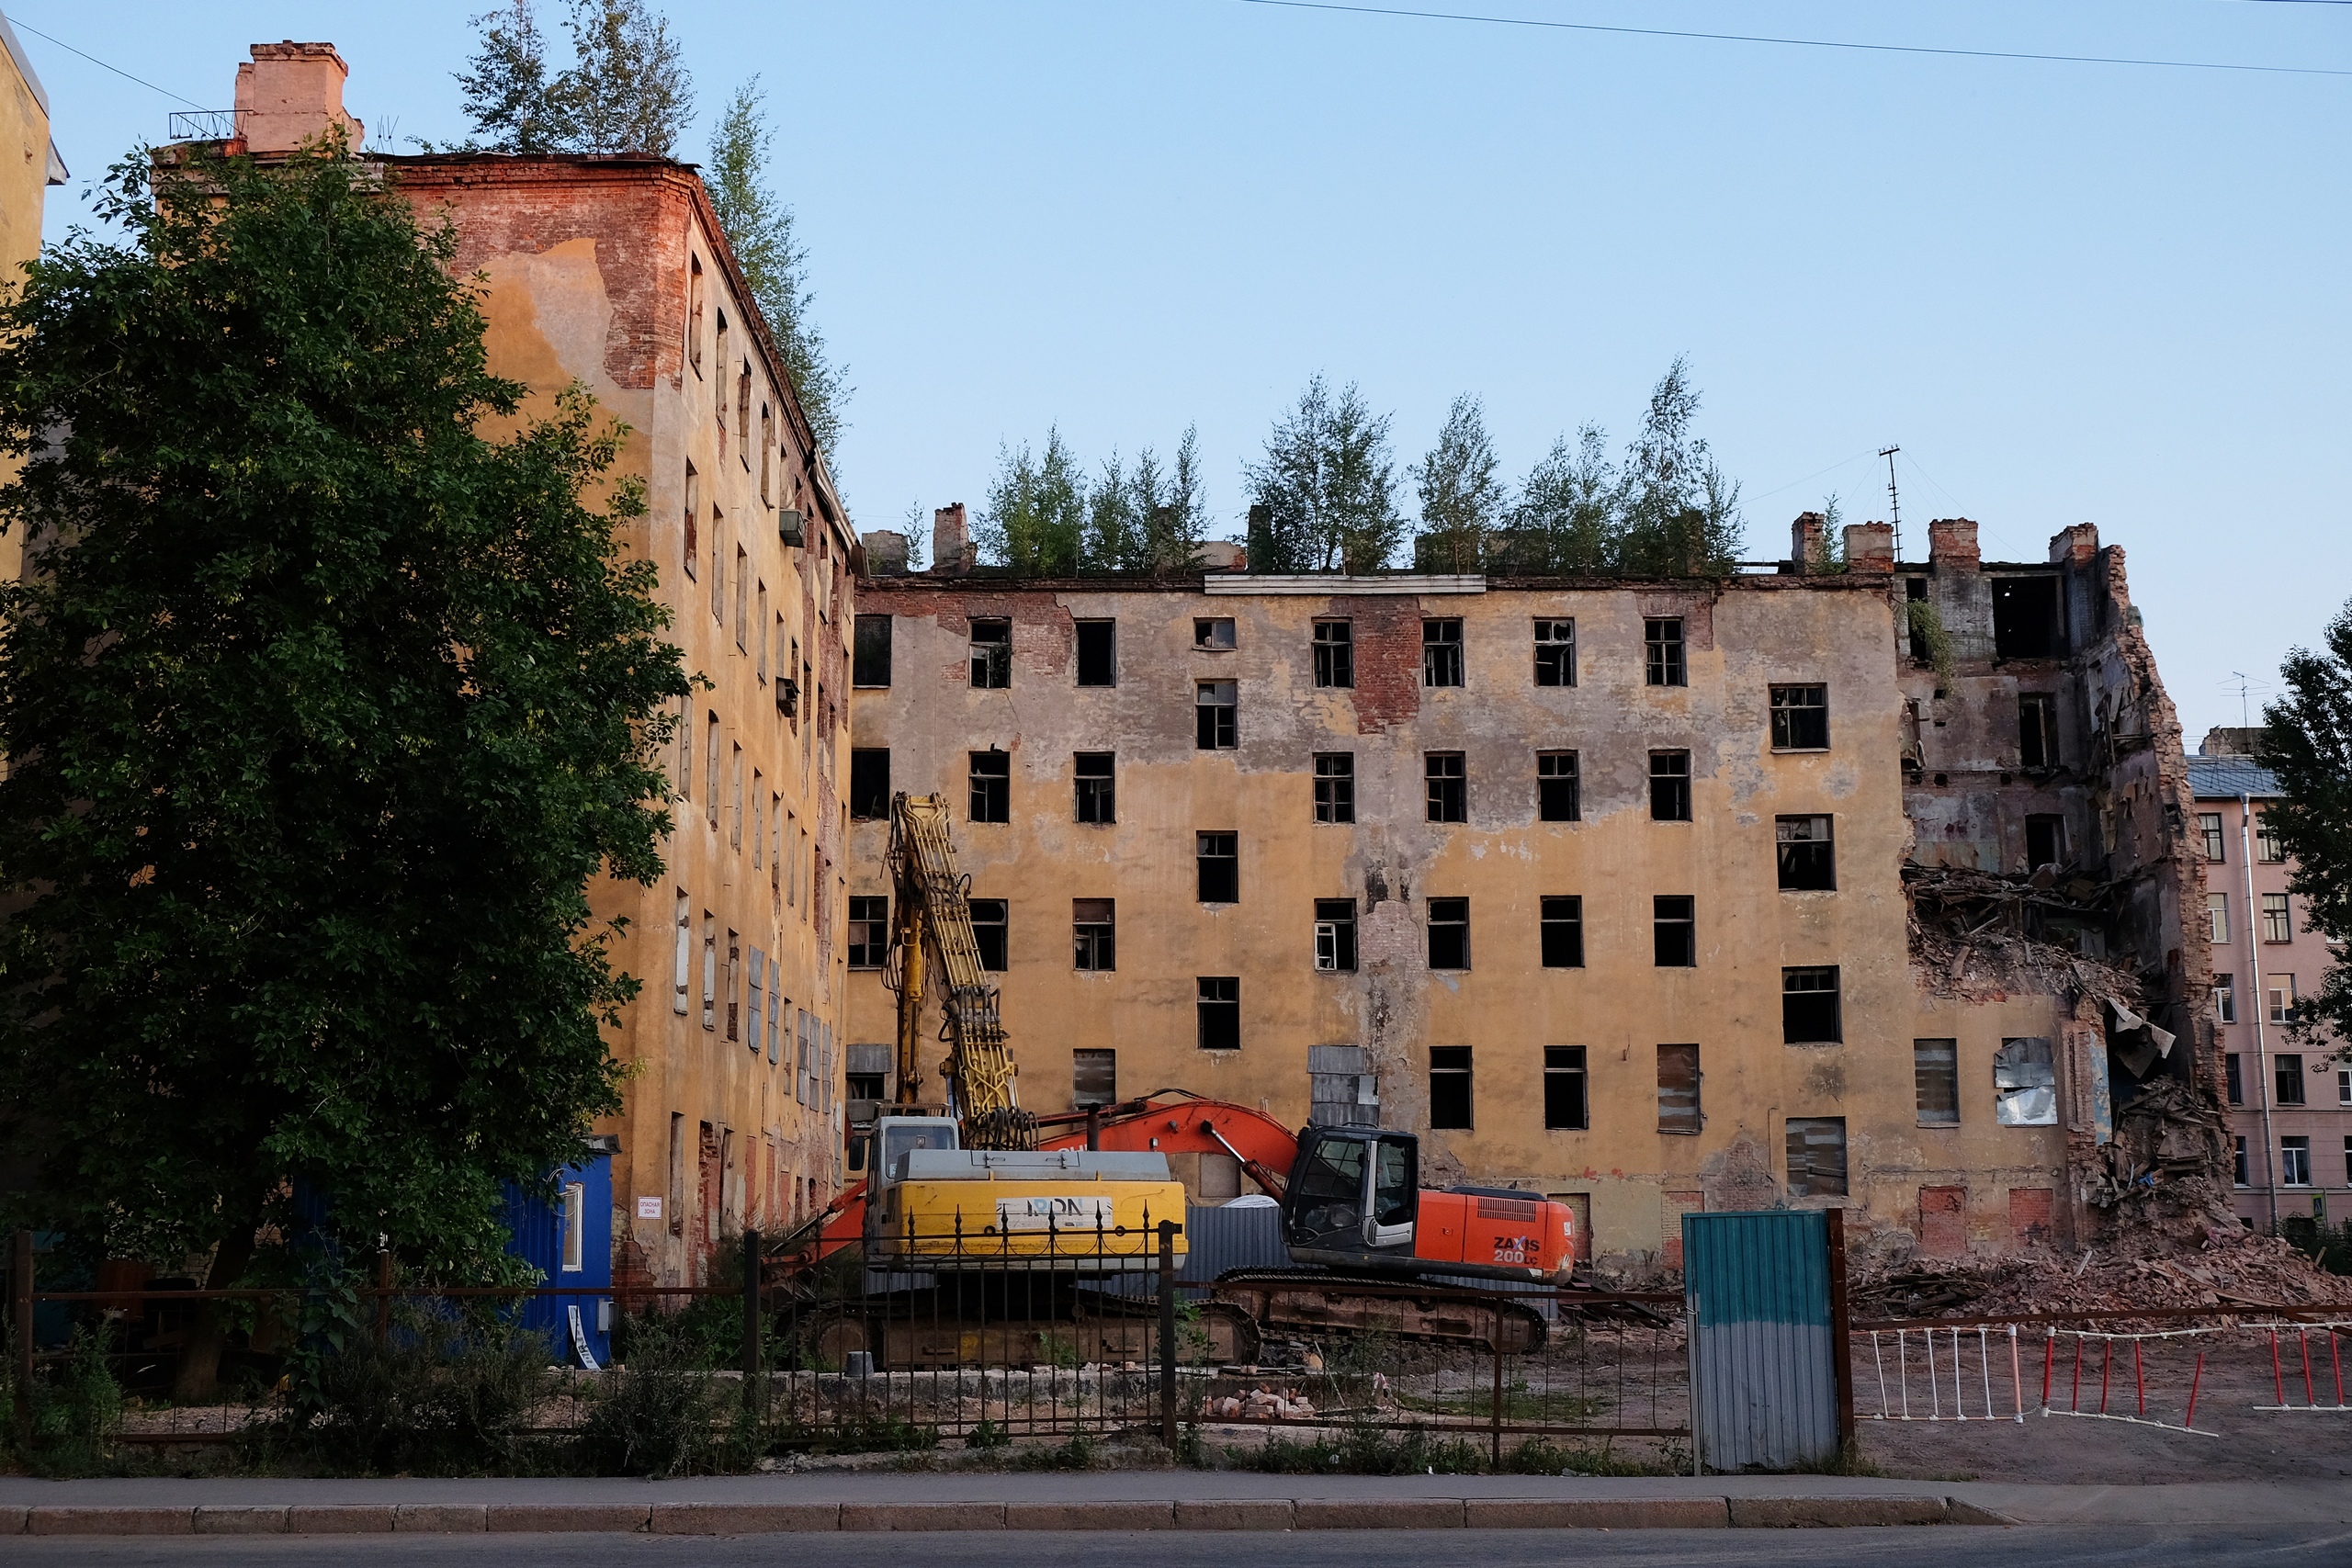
(570, 1242)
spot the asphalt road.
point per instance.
(1928, 1547)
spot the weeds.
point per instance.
(76, 1413)
(658, 1412)
(1078, 1453)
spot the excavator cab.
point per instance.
(1353, 1197)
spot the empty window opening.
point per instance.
(1566, 1106)
(1663, 653)
(2045, 841)
(1678, 1089)
(1555, 653)
(869, 931)
(711, 769)
(1094, 1079)
(1441, 653)
(1219, 1011)
(1800, 718)
(1563, 932)
(2278, 921)
(1335, 653)
(1094, 926)
(1216, 859)
(1335, 786)
(1450, 1088)
(1675, 931)
(992, 782)
(1214, 634)
(1817, 1156)
(2026, 620)
(2287, 1074)
(1449, 933)
(693, 519)
(990, 921)
(871, 664)
(2237, 1161)
(1449, 791)
(2037, 732)
(1935, 1073)
(734, 986)
(1669, 786)
(1215, 726)
(694, 312)
(869, 784)
(1098, 653)
(1335, 935)
(2025, 1084)
(743, 600)
(1809, 1005)
(1557, 795)
(2234, 1078)
(1097, 801)
(991, 654)
(1808, 855)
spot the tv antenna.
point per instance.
(1894, 501)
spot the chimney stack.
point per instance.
(289, 94)
(1952, 545)
(1809, 542)
(1870, 547)
(952, 552)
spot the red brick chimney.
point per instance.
(951, 541)
(290, 94)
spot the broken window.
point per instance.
(1450, 1086)
(1441, 653)
(2294, 1162)
(1669, 786)
(1555, 653)
(1449, 933)
(1335, 788)
(2234, 1078)
(1556, 786)
(1809, 1005)
(869, 782)
(1800, 718)
(1335, 935)
(1677, 1089)
(734, 986)
(694, 312)
(2209, 827)
(2237, 1162)
(743, 600)
(1335, 653)
(991, 654)
(2025, 1084)
(989, 928)
(871, 664)
(1662, 644)
(1565, 1108)
(710, 970)
(1093, 922)
(2225, 998)
(2267, 847)
(1094, 1079)
(2279, 998)
(1808, 855)
(1216, 858)
(1342, 1089)
(869, 931)
(693, 518)
(2026, 621)
(2045, 841)
(2216, 917)
(1214, 725)
(2036, 730)
(1448, 790)
(866, 1069)
(1096, 800)
(2287, 1073)
(1675, 931)
(684, 978)
(1213, 633)
(1817, 1156)
(1098, 653)
(991, 782)
(1220, 1012)
(2277, 923)
(1935, 1075)
(1563, 932)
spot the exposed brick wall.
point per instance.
(1388, 658)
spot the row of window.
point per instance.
(2267, 847)
(2287, 1080)
(752, 1008)
(2279, 998)
(2278, 918)
(2294, 1163)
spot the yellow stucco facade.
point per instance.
(28, 167)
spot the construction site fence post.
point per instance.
(21, 1272)
(1841, 1351)
(754, 1384)
(1168, 1334)
(1495, 1417)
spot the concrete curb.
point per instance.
(796, 1519)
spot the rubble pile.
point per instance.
(1977, 934)
(1260, 1404)
(2231, 1268)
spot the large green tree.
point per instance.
(2307, 741)
(1462, 499)
(321, 712)
(626, 89)
(1323, 497)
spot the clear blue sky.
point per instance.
(2070, 292)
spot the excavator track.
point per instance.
(1290, 1303)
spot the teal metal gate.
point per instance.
(1764, 1382)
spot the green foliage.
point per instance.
(2307, 741)
(1076, 1453)
(1925, 624)
(1151, 518)
(76, 1408)
(1564, 523)
(321, 712)
(626, 90)
(1364, 1451)
(1461, 499)
(760, 232)
(1035, 519)
(2328, 1245)
(986, 1435)
(659, 1413)
(1324, 496)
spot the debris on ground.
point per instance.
(1260, 1404)
(2234, 1268)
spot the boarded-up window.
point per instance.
(868, 1071)
(1094, 1077)
(755, 1003)
(2025, 1084)
(1677, 1089)
(1342, 1087)
(871, 666)
(1935, 1072)
(1817, 1156)
(685, 978)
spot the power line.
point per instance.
(20, 21)
(1798, 42)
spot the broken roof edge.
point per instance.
(1221, 584)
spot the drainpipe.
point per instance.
(2261, 1002)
